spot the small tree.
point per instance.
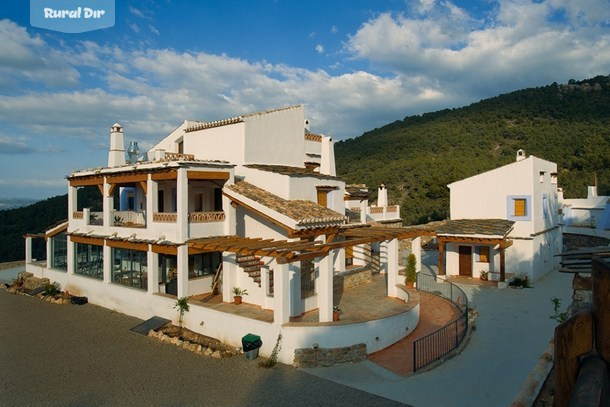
(182, 304)
(411, 269)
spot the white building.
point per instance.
(590, 215)
(504, 221)
(249, 202)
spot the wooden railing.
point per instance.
(582, 348)
(77, 215)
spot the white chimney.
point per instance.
(521, 154)
(591, 191)
(327, 161)
(116, 155)
(306, 126)
(382, 196)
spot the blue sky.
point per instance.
(355, 65)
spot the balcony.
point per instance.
(131, 219)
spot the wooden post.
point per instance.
(441, 258)
(502, 263)
(601, 306)
(573, 339)
(591, 386)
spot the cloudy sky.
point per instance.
(354, 64)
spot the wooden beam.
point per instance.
(165, 176)
(101, 188)
(165, 249)
(86, 181)
(111, 189)
(573, 339)
(502, 264)
(208, 175)
(123, 244)
(126, 179)
(95, 241)
(441, 258)
(144, 186)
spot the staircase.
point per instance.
(252, 265)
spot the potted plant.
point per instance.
(411, 271)
(238, 293)
(336, 313)
(484, 275)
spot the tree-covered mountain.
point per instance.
(36, 218)
(417, 157)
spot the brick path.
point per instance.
(435, 313)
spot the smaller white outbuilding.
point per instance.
(506, 221)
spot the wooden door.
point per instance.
(465, 262)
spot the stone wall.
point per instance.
(324, 357)
(352, 278)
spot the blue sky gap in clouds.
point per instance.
(356, 65)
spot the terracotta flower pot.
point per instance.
(336, 316)
(237, 299)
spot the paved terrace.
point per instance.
(359, 304)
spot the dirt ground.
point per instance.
(84, 355)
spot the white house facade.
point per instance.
(505, 221)
(251, 202)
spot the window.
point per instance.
(322, 197)
(519, 207)
(349, 256)
(89, 260)
(129, 267)
(204, 264)
(59, 252)
(484, 254)
(542, 176)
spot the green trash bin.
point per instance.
(251, 344)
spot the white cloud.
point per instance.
(334, 30)
(520, 44)
(319, 48)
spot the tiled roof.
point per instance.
(313, 137)
(232, 120)
(357, 191)
(292, 171)
(216, 123)
(482, 227)
(302, 211)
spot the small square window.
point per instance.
(519, 208)
(484, 254)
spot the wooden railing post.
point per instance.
(601, 306)
(573, 339)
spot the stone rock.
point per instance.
(207, 351)
(217, 355)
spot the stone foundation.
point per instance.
(324, 357)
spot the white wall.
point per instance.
(217, 143)
(276, 137)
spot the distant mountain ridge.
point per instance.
(418, 156)
(12, 203)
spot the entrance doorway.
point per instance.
(465, 262)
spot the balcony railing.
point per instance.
(164, 217)
(205, 217)
(129, 218)
(179, 157)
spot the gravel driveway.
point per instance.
(70, 355)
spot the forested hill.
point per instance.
(417, 157)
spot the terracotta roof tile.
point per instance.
(486, 227)
(292, 171)
(302, 211)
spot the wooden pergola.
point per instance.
(292, 251)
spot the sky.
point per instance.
(354, 64)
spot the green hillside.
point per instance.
(417, 157)
(36, 218)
